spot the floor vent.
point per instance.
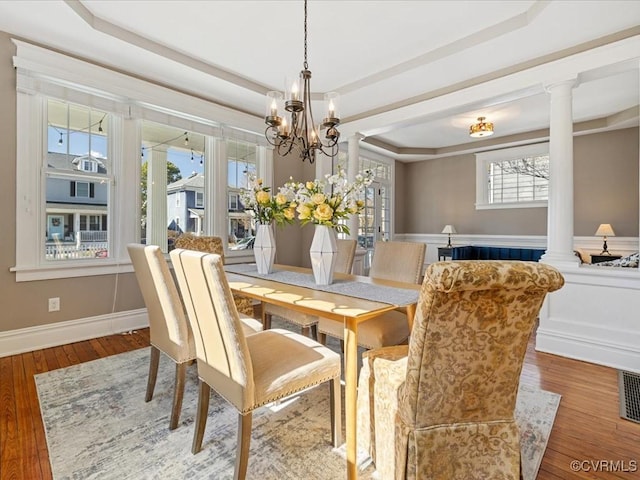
(629, 384)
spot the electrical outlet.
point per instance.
(54, 304)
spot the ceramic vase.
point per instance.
(264, 248)
(323, 252)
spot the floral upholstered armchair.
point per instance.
(443, 406)
(210, 244)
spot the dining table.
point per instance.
(349, 299)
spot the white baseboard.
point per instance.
(587, 349)
(13, 342)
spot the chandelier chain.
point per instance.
(306, 65)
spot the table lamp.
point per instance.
(449, 229)
(605, 230)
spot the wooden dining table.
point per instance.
(347, 309)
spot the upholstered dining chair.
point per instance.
(443, 406)
(244, 369)
(212, 244)
(168, 326)
(308, 323)
(399, 261)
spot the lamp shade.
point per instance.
(449, 229)
(605, 230)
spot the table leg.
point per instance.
(411, 313)
(351, 393)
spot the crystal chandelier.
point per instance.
(299, 133)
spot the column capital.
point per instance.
(356, 137)
(567, 84)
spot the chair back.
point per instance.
(399, 261)
(201, 243)
(168, 326)
(346, 254)
(222, 354)
(469, 338)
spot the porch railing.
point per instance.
(68, 251)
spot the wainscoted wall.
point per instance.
(617, 245)
(434, 193)
(594, 317)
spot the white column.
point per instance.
(157, 221)
(560, 209)
(216, 220)
(264, 160)
(353, 159)
(324, 165)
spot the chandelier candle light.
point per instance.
(301, 134)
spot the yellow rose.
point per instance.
(310, 185)
(360, 203)
(354, 209)
(293, 205)
(289, 213)
(263, 197)
(259, 181)
(281, 199)
(318, 198)
(304, 212)
(323, 213)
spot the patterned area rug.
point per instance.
(99, 427)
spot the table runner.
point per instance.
(351, 288)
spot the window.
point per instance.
(81, 152)
(374, 223)
(241, 165)
(513, 177)
(75, 140)
(89, 166)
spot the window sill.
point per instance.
(49, 272)
(499, 206)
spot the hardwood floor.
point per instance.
(587, 428)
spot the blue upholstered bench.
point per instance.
(496, 253)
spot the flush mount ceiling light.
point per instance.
(481, 129)
(299, 133)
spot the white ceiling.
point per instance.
(413, 75)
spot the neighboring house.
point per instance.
(185, 208)
(185, 204)
(76, 204)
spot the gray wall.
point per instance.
(433, 193)
(24, 304)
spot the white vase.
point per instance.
(264, 248)
(323, 252)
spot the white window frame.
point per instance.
(89, 166)
(199, 200)
(42, 74)
(484, 159)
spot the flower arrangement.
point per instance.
(265, 207)
(328, 201)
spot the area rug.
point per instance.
(99, 427)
